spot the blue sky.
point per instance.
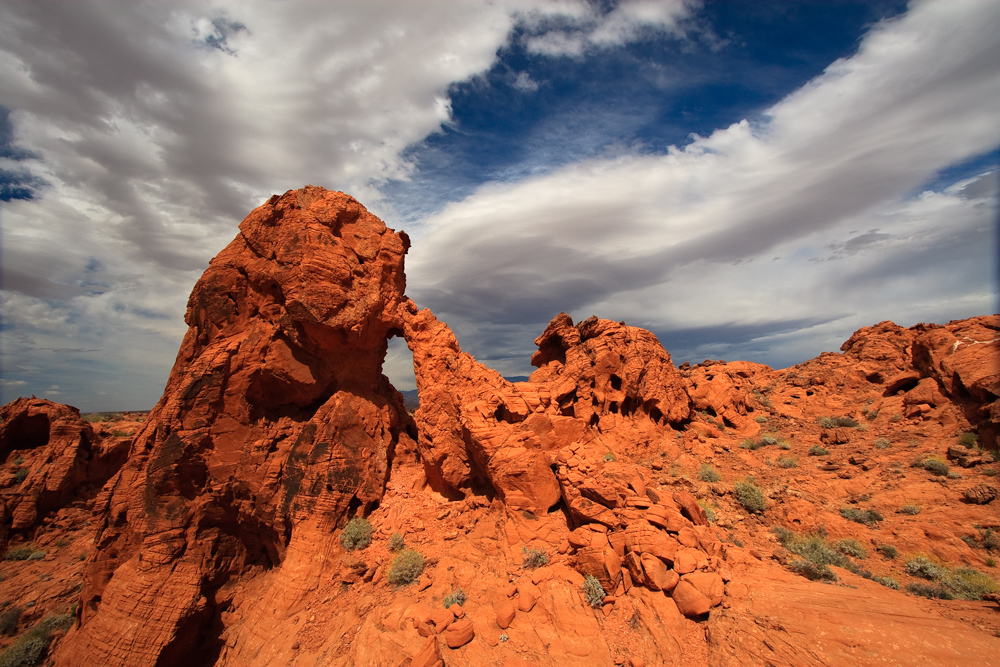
(748, 180)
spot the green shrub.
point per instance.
(27, 651)
(991, 562)
(593, 592)
(750, 497)
(971, 541)
(936, 467)
(812, 571)
(818, 450)
(968, 584)
(534, 557)
(867, 517)
(396, 542)
(888, 582)
(888, 551)
(852, 548)
(968, 440)
(989, 537)
(834, 422)
(357, 534)
(870, 415)
(936, 592)
(455, 597)
(882, 443)
(709, 511)
(20, 475)
(750, 443)
(767, 440)
(708, 474)
(909, 509)
(923, 568)
(37, 555)
(610, 456)
(22, 552)
(18, 460)
(9, 619)
(406, 567)
(990, 472)
(787, 462)
(760, 419)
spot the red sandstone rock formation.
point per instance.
(218, 542)
(275, 422)
(53, 455)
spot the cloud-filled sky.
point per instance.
(747, 180)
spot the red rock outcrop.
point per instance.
(50, 455)
(275, 422)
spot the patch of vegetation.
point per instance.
(912, 510)
(709, 511)
(23, 552)
(936, 467)
(888, 582)
(835, 422)
(534, 557)
(750, 443)
(870, 415)
(787, 462)
(396, 542)
(593, 592)
(750, 497)
(61, 542)
(990, 472)
(9, 619)
(760, 419)
(933, 591)
(896, 418)
(119, 434)
(455, 597)
(954, 474)
(406, 567)
(812, 571)
(357, 534)
(868, 517)
(991, 542)
(766, 440)
(733, 539)
(610, 456)
(762, 399)
(818, 450)
(20, 475)
(923, 568)
(883, 443)
(969, 440)
(708, 474)
(852, 548)
(888, 551)
(31, 647)
(784, 444)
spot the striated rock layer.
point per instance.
(218, 541)
(276, 420)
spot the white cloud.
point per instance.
(688, 239)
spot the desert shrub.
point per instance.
(750, 497)
(593, 592)
(37, 555)
(896, 418)
(852, 548)
(760, 419)
(834, 422)
(787, 462)
(784, 444)
(888, 551)
(22, 552)
(709, 511)
(455, 597)
(933, 591)
(750, 443)
(406, 567)
(923, 568)
(968, 584)
(991, 562)
(818, 450)
(882, 443)
(867, 517)
(813, 548)
(610, 456)
(989, 537)
(20, 475)
(870, 415)
(968, 440)
(767, 440)
(812, 571)
(888, 582)
(909, 509)
(534, 557)
(30, 648)
(9, 619)
(396, 542)
(936, 467)
(357, 534)
(971, 541)
(954, 474)
(708, 474)
(990, 472)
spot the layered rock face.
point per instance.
(54, 454)
(275, 422)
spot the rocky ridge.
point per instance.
(218, 541)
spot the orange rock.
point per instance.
(460, 633)
(689, 600)
(429, 655)
(505, 614)
(708, 584)
(527, 595)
